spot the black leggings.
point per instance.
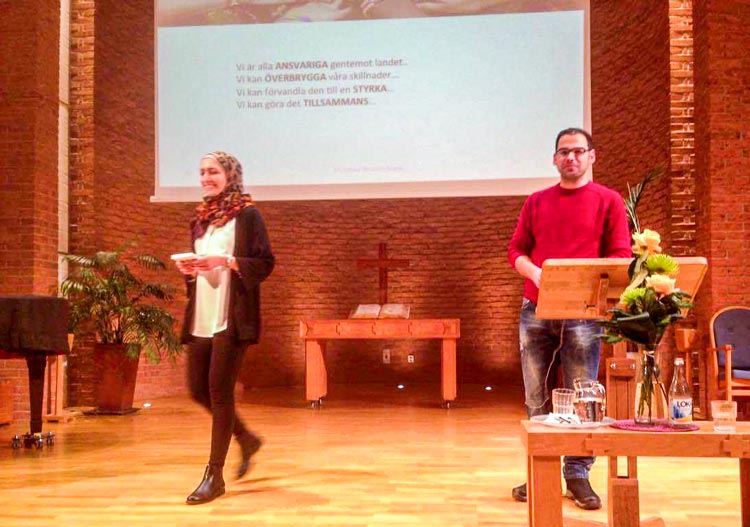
(213, 367)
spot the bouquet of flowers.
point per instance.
(647, 307)
(651, 302)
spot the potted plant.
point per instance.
(647, 307)
(125, 314)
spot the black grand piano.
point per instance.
(31, 328)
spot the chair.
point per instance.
(729, 354)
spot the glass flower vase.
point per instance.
(650, 394)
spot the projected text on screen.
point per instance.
(431, 106)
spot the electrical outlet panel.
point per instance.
(410, 358)
(386, 356)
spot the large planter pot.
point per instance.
(116, 375)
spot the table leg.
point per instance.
(622, 495)
(316, 378)
(544, 491)
(448, 369)
(745, 491)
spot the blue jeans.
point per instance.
(547, 344)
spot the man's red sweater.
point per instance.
(587, 222)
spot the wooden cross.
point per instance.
(383, 263)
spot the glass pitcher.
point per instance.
(589, 400)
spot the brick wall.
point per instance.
(28, 150)
(722, 111)
(630, 86)
(456, 246)
(83, 225)
(29, 38)
(458, 269)
(682, 129)
(112, 158)
(640, 114)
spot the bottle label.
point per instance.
(681, 410)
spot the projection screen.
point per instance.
(344, 99)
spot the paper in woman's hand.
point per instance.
(182, 257)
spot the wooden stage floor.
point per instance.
(372, 456)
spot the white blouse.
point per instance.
(212, 287)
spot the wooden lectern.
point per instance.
(586, 289)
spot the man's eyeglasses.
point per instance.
(565, 152)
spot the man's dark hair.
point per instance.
(575, 131)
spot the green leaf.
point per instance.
(634, 197)
(637, 280)
(636, 328)
(108, 298)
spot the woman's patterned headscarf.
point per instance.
(218, 210)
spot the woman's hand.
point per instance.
(206, 263)
(186, 267)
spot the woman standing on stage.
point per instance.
(223, 313)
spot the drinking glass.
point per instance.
(562, 401)
(725, 415)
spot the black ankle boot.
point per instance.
(519, 493)
(579, 490)
(250, 444)
(210, 488)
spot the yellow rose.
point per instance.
(661, 283)
(646, 242)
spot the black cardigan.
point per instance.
(252, 249)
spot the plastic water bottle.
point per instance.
(680, 398)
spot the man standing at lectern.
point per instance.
(576, 218)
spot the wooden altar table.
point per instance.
(544, 446)
(317, 332)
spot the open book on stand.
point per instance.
(378, 311)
